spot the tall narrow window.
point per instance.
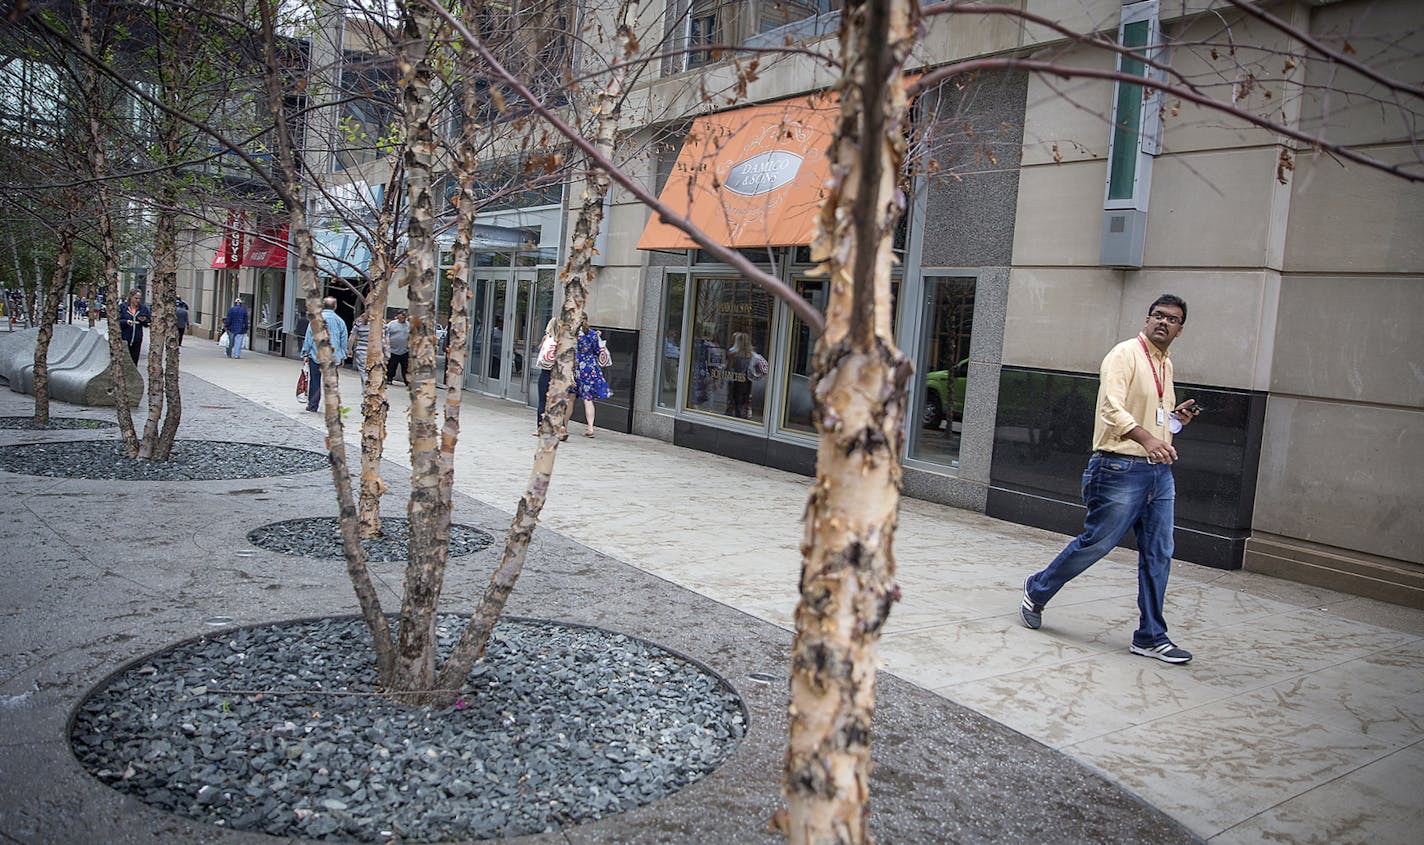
(1135, 117)
(1134, 140)
(702, 32)
(943, 365)
(675, 295)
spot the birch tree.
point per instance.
(848, 565)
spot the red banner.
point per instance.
(229, 254)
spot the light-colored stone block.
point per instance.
(1060, 214)
(1343, 475)
(1211, 209)
(1220, 345)
(1357, 338)
(1062, 319)
(1346, 107)
(1351, 219)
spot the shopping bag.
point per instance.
(302, 383)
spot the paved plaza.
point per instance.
(1300, 719)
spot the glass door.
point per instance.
(508, 310)
(475, 365)
(520, 319)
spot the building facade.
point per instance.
(1054, 213)
(1046, 212)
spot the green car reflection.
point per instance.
(944, 397)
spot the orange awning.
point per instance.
(752, 177)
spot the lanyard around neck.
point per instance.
(1153, 367)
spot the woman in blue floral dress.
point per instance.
(588, 376)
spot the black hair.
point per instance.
(1170, 299)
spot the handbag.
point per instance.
(547, 349)
(604, 359)
(759, 367)
(302, 384)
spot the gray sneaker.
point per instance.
(1029, 612)
(1165, 652)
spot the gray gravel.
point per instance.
(55, 423)
(191, 460)
(560, 725)
(320, 537)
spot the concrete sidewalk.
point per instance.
(1300, 719)
(100, 574)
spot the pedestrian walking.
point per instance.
(546, 374)
(589, 383)
(133, 317)
(360, 340)
(397, 348)
(336, 328)
(180, 319)
(236, 323)
(1128, 483)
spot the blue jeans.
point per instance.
(1121, 494)
(313, 384)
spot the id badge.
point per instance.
(1161, 416)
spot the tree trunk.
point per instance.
(161, 303)
(165, 344)
(847, 577)
(108, 247)
(578, 277)
(301, 237)
(375, 408)
(63, 263)
(429, 512)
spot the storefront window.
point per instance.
(731, 334)
(797, 416)
(271, 288)
(674, 302)
(943, 367)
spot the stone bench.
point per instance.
(78, 365)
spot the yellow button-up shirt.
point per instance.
(1127, 396)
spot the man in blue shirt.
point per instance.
(336, 329)
(236, 329)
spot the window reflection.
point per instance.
(671, 357)
(730, 337)
(943, 365)
(796, 415)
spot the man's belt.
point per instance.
(1141, 459)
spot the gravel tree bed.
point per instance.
(320, 537)
(560, 725)
(191, 460)
(55, 423)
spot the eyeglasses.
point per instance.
(1169, 319)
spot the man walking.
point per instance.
(398, 344)
(236, 328)
(180, 320)
(336, 329)
(1128, 483)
